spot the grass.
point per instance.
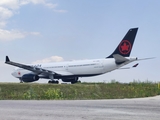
(113, 90)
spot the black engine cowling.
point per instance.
(29, 78)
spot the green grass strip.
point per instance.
(84, 91)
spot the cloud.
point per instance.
(16, 4)
(8, 35)
(50, 59)
(2, 24)
(5, 13)
(50, 5)
(60, 11)
(34, 33)
(10, 7)
(10, 4)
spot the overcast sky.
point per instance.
(33, 31)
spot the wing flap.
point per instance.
(64, 73)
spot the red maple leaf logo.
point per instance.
(19, 73)
(125, 47)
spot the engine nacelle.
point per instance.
(30, 78)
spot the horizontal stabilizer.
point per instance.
(146, 58)
(119, 59)
(135, 65)
(130, 67)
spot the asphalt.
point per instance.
(117, 109)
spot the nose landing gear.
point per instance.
(21, 81)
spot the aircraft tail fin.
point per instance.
(125, 46)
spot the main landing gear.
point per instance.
(53, 82)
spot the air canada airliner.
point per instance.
(70, 71)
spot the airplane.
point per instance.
(71, 71)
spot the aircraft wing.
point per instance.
(30, 68)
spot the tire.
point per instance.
(73, 82)
(57, 82)
(49, 81)
(53, 82)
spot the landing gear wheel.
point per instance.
(57, 82)
(73, 82)
(79, 81)
(53, 82)
(49, 81)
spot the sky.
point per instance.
(38, 31)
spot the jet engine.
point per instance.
(29, 78)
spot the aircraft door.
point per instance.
(99, 66)
(66, 67)
(102, 66)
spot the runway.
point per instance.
(121, 109)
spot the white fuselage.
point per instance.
(81, 68)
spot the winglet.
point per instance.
(7, 59)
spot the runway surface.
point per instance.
(121, 109)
